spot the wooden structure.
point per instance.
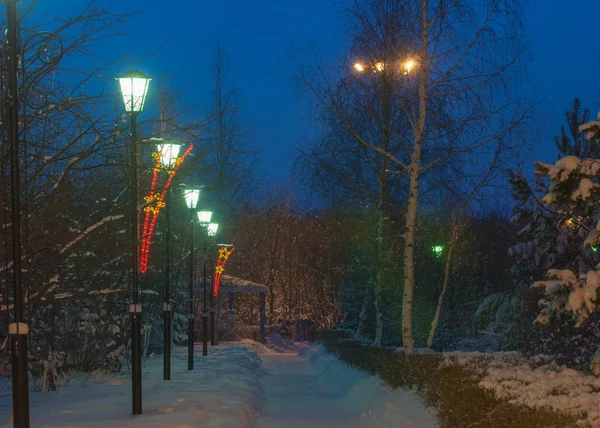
(231, 286)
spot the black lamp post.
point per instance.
(204, 219)
(191, 200)
(17, 330)
(168, 158)
(212, 233)
(134, 88)
(47, 52)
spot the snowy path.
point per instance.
(314, 390)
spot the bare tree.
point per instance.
(74, 164)
(453, 65)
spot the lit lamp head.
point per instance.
(134, 88)
(191, 197)
(437, 250)
(168, 155)
(204, 217)
(212, 229)
(359, 67)
(408, 65)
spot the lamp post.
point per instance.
(204, 220)
(17, 330)
(134, 88)
(168, 158)
(212, 232)
(191, 200)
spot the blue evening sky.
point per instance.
(255, 35)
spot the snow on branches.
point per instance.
(565, 293)
(573, 193)
(591, 129)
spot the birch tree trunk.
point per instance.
(414, 174)
(438, 312)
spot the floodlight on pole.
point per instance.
(359, 67)
(408, 65)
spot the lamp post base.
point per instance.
(167, 344)
(20, 386)
(191, 344)
(204, 335)
(136, 358)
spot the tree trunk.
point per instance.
(378, 288)
(414, 173)
(438, 312)
(362, 318)
(409, 262)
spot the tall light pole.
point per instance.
(134, 88)
(191, 200)
(212, 233)
(204, 220)
(17, 330)
(168, 158)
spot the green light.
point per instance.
(437, 250)
(595, 249)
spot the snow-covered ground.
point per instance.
(240, 384)
(534, 382)
(315, 390)
(222, 391)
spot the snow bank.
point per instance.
(223, 391)
(534, 382)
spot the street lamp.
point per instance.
(204, 220)
(134, 88)
(168, 157)
(191, 200)
(437, 250)
(212, 229)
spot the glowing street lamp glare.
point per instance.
(191, 197)
(379, 66)
(212, 229)
(437, 250)
(168, 154)
(134, 88)
(204, 217)
(409, 65)
(359, 67)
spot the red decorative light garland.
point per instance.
(156, 201)
(223, 257)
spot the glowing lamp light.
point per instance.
(594, 250)
(169, 153)
(379, 66)
(191, 197)
(212, 229)
(359, 67)
(204, 217)
(437, 250)
(408, 66)
(134, 88)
